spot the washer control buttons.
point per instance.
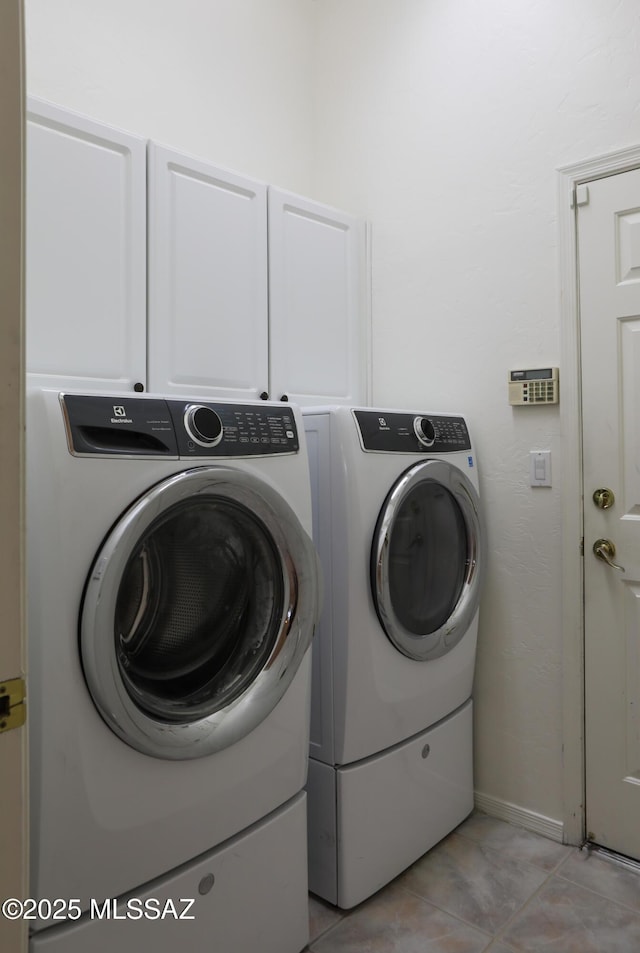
(203, 425)
(425, 431)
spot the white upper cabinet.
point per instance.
(208, 317)
(241, 310)
(318, 334)
(150, 269)
(85, 251)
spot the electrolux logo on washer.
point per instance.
(120, 415)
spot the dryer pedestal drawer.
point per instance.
(389, 810)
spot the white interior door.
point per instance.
(609, 277)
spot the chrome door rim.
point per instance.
(442, 640)
(299, 566)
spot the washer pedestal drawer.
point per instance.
(389, 810)
(249, 894)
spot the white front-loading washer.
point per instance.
(399, 530)
(173, 595)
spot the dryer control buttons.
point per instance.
(425, 431)
(203, 425)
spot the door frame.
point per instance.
(13, 743)
(569, 178)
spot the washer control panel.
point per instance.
(233, 430)
(154, 426)
(397, 432)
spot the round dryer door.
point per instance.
(427, 560)
(197, 612)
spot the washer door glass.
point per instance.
(427, 559)
(197, 613)
(198, 609)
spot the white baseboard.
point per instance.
(521, 816)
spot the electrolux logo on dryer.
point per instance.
(120, 415)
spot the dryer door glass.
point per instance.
(197, 612)
(427, 560)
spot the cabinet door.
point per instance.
(85, 251)
(317, 302)
(207, 279)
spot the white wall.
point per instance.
(445, 120)
(225, 80)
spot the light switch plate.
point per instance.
(540, 467)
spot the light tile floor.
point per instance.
(490, 886)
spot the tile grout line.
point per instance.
(553, 874)
(550, 875)
(491, 937)
(482, 843)
(343, 915)
(416, 896)
(499, 933)
(514, 916)
(448, 913)
(597, 893)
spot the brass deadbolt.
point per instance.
(604, 498)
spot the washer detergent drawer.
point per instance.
(394, 807)
(249, 894)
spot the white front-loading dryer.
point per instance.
(173, 595)
(398, 525)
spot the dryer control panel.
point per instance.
(394, 432)
(153, 426)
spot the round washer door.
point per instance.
(427, 560)
(197, 612)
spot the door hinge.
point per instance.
(13, 710)
(580, 196)
(582, 546)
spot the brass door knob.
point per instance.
(604, 498)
